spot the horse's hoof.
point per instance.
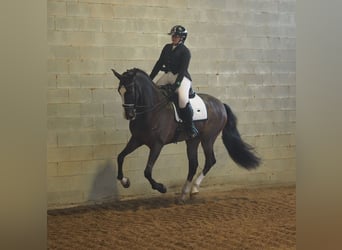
(160, 187)
(194, 191)
(193, 194)
(125, 182)
(180, 201)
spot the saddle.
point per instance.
(198, 107)
(197, 104)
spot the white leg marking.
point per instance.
(123, 181)
(199, 179)
(195, 187)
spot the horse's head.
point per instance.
(128, 93)
(136, 91)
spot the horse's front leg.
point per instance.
(132, 145)
(154, 153)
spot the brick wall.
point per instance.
(243, 52)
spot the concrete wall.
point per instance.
(243, 52)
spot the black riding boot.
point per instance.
(186, 115)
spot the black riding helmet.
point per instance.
(180, 31)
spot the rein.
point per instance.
(149, 108)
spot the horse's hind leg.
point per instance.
(192, 152)
(130, 147)
(208, 148)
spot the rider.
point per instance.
(174, 61)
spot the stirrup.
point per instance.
(192, 131)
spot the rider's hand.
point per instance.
(176, 85)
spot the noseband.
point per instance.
(128, 107)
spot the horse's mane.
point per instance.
(145, 81)
(134, 71)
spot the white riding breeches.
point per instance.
(182, 91)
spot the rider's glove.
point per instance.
(176, 85)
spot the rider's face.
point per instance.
(175, 39)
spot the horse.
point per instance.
(152, 123)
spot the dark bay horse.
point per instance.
(152, 123)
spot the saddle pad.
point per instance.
(199, 108)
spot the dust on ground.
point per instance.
(257, 218)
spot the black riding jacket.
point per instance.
(176, 61)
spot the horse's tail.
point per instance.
(241, 152)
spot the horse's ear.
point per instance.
(117, 74)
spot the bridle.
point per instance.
(132, 108)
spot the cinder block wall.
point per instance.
(243, 52)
